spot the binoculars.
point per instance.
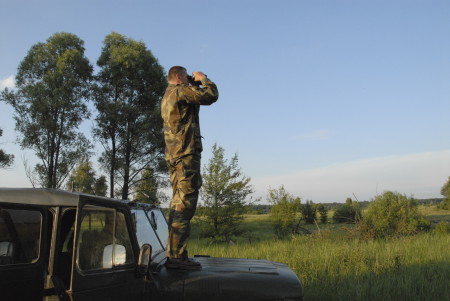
(192, 81)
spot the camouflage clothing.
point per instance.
(180, 111)
(186, 182)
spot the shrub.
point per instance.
(309, 212)
(392, 214)
(349, 213)
(284, 213)
(445, 204)
(445, 191)
(323, 213)
(442, 228)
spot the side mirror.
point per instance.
(145, 256)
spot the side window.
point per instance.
(145, 233)
(20, 235)
(104, 241)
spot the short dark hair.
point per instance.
(174, 71)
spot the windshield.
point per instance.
(151, 228)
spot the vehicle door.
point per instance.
(106, 254)
(23, 251)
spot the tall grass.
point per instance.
(338, 268)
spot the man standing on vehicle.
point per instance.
(180, 111)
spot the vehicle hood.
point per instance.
(230, 279)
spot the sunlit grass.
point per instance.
(334, 266)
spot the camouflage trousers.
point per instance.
(186, 182)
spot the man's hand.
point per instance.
(198, 76)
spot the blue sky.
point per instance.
(332, 98)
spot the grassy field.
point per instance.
(334, 266)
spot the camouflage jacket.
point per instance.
(180, 111)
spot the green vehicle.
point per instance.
(59, 245)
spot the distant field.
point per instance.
(334, 266)
(434, 214)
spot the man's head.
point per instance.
(178, 75)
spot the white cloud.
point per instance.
(420, 175)
(7, 83)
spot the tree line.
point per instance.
(55, 83)
(226, 188)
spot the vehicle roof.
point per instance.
(46, 197)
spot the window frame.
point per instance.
(117, 207)
(106, 284)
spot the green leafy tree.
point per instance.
(83, 179)
(128, 92)
(285, 211)
(349, 213)
(224, 193)
(309, 212)
(442, 228)
(6, 160)
(323, 213)
(148, 188)
(50, 103)
(100, 186)
(392, 214)
(445, 191)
